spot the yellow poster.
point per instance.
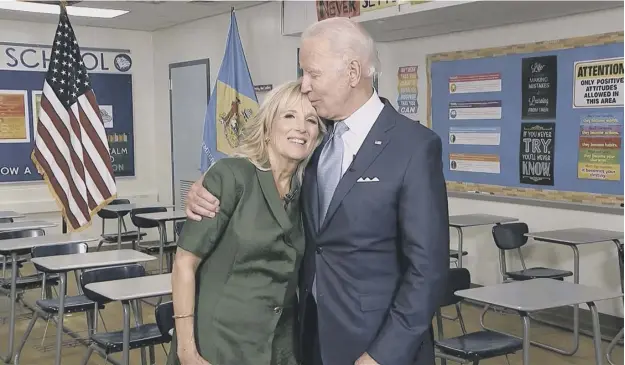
(13, 116)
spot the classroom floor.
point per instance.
(39, 349)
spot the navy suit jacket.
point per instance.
(382, 254)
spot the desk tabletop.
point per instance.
(90, 260)
(22, 225)
(5, 214)
(125, 208)
(27, 243)
(164, 216)
(472, 220)
(537, 294)
(576, 236)
(134, 288)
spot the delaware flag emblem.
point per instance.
(232, 103)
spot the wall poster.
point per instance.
(600, 146)
(539, 87)
(598, 83)
(536, 159)
(407, 90)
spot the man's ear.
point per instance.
(354, 70)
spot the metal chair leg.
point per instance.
(85, 359)
(29, 329)
(611, 346)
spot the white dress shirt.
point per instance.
(359, 124)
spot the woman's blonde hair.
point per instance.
(255, 133)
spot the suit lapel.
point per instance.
(268, 186)
(376, 141)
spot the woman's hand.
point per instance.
(191, 358)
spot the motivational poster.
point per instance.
(598, 83)
(600, 144)
(407, 90)
(539, 87)
(536, 158)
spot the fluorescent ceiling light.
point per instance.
(55, 9)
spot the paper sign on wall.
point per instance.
(407, 90)
(600, 142)
(598, 83)
(539, 87)
(537, 153)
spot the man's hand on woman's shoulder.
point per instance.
(200, 202)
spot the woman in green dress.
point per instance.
(235, 276)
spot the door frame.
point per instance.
(203, 61)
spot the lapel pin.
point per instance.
(378, 142)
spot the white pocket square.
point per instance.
(367, 179)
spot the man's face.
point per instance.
(325, 80)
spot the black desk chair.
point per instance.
(47, 307)
(5, 262)
(619, 335)
(511, 236)
(475, 346)
(455, 255)
(178, 226)
(111, 238)
(151, 248)
(164, 314)
(28, 281)
(142, 335)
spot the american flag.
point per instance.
(71, 149)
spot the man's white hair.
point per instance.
(348, 39)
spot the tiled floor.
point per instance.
(39, 350)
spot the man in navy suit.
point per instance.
(375, 214)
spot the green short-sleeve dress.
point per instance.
(246, 283)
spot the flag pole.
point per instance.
(62, 5)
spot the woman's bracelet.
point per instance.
(176, 316)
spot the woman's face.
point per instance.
(295, 130)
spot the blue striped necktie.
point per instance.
(329, 173)
(330, 168)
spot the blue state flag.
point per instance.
(232, 103)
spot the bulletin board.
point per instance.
(23, 69)
(534, 122)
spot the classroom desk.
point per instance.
(473, 220)
(14, 247)
(126, 290)
(65, 263)
(573, 237)
(121, 209)
(161, 218)
(619, 335)
(9, 214)
(23, 225)
(540, 294)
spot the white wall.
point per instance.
(270, 57)
(598, 263)
(34, 198)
